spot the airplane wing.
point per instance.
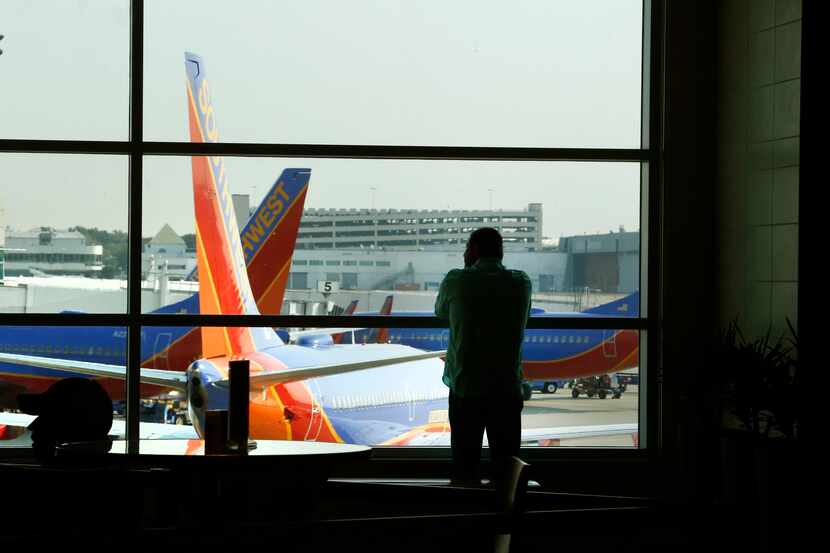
(178, 380)
(297, 334)
(263, 379)
(170, 379)
(439, 435)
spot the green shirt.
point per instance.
(487, 307)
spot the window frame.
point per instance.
(136, 148)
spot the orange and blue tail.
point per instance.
(381, 335)
(269, 236)
(338, 338)
(629, 306)
(224, 287)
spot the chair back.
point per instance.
(511, 489)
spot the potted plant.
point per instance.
(757, 409)
(758, 384)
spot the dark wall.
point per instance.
(688, 269)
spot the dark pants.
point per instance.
(469, 417)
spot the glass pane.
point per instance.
(65, 224)
(33, 358)
(531, 73)
(582, 387)
(65, 69)
(370, 227)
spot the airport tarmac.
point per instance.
(560, 409)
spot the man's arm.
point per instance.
(528, 294)
(442, 302)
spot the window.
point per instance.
(518, 162)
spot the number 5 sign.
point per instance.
(328, 286)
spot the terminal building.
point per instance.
(375, 269)
(606, 262)
(45, 250)
(416, 229)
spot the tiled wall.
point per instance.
(756, 235)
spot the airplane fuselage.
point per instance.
(367, 407)
(547, 354)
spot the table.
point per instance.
(192, 452)
(278, 480)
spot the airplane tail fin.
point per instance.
(338, 338)
(381, 335)
(269, 237)
(629, 306)
(224, 287)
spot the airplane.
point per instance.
(549, 356)
(268, 244)
(373, 394)
(323, 336)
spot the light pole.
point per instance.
(373, 190)
(490, 190)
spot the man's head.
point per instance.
(70, 410)
(483, 242)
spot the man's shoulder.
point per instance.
(519, 276)
(452, 277)
(454, 274)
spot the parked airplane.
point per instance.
(268, 244)
(548, 355)
(371, 394)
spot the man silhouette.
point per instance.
(71, 411)
(487, 307)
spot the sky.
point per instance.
(541, 73)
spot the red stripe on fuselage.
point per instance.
(593, 362)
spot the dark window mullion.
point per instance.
(140, 320)
(135, 209)
(357, 151)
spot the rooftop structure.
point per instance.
(410, 229)
(167, 253)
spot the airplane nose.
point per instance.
(197, 398)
